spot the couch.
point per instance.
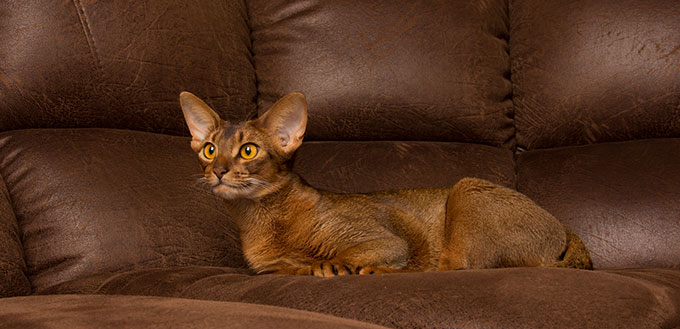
(103, 222)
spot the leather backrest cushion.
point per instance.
(590, 71)
(622, 199)
(122, 64)
(13, 281)
(90, 201)
(364, 167)
(388, 70)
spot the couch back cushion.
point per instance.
(591, 71)
(90, 201)
(388, 70)
(13, 280)
(122, 64)
(622, 199)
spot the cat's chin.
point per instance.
(230, 193)
(233, 192)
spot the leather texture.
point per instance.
(13, 281)
(363, 167)
(153, 312)
(131, 199)
(122, 64)
(620, 198)
(100, 200)
(574, 103)
(501, 298)
(593, 71)
(388, 70)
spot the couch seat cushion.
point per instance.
(98, 311)
(499, 298)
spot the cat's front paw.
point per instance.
(325, 269)
(369, 270)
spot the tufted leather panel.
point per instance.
(121, 64)
(388, 70)
(622, 199)
(13, 281)
(592, 71)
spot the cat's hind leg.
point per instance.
(576, 254)
(488, 226)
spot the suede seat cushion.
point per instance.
(86, 311)
(498, 298)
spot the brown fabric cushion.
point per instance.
(590, 71)
(499, 298)
(152, 312)
(97, 200)
(122, 64)
(622, 199)
(388, 70)
(13, 281)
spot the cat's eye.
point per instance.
(248, 151)
(209, 151)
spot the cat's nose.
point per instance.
(220, 171)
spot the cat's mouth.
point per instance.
(221, 183)
(229, 190)
(246, 188)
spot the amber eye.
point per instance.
(248, 151)
(209, 151)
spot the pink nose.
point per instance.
(220, 171)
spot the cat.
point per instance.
(288, 227)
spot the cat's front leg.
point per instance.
(321, 269)
(330, 268)
(326, 269)
(370, 270)
(383, 255)
(387, 255)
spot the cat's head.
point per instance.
(246, 159)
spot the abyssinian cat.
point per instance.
(289, 227)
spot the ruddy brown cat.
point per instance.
(289, 227)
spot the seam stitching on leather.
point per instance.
(516, 147)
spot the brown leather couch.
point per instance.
(103, 223)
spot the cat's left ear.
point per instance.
(286, 122)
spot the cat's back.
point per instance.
(428, 205)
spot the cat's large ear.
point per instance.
(200, 118)
(286, 122)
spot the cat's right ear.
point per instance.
(200, 118)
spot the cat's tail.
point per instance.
(576, 254)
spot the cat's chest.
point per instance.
(279, 242)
